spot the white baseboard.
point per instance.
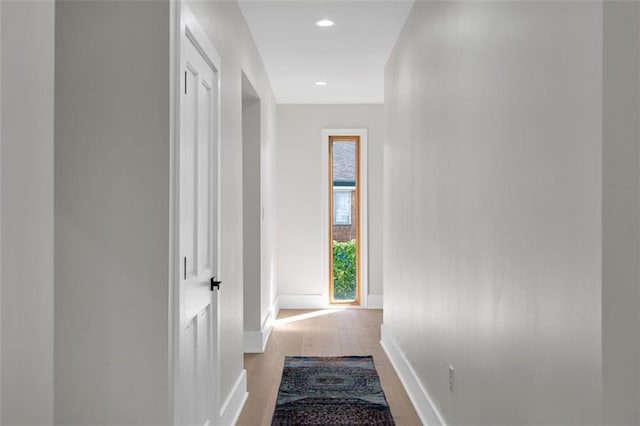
(234, 403)
(422, 402)
(303, 301)
(374, 301)
(319, 301)
(255, 342)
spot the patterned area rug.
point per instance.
(331, 391)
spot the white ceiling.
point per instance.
(350, 55)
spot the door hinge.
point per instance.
(185, 82)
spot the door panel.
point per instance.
(204, 363)
(187, 175)
(204, 175)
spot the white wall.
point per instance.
(27, 72)
(226, 27)
(112, 182)
(300, 216)
(493, 208)
(112, 204)
(621, 213)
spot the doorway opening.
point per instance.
(251, 213)
(344, 220)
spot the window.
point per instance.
(342, 207)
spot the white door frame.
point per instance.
(364, 211)
(187, 29)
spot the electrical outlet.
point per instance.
(451, 377)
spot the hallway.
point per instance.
(328, 332)
(499, 172)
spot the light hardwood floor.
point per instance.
(320, 333)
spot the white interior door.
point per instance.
(197, 379)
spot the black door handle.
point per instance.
(215, 284)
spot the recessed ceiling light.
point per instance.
(324, 23)
(321, 83)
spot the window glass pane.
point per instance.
(344, 285)
(342, 207)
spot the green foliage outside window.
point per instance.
(344, 270)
